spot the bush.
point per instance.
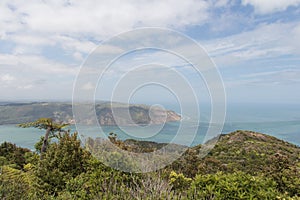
(62, 161)
(237, 185)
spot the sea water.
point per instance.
(281, 121)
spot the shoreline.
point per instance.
(28, 137)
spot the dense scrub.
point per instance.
(243, 165)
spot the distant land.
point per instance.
(15, 113)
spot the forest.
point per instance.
(242, 165)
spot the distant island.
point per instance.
(108, 114)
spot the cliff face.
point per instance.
(108, 114)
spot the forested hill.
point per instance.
(15, 113)
(242, 165)
(247, 151)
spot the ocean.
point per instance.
(281, 121)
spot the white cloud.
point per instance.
(25, 87)
(267, 41)
(266, 78)
(9, 21)
(72, 24)
(36, 64)
(30, 39)
(88, 86)
(266, 7)
(100, 18)
(12, 82)
(74, 44)
(35, 74)
(270, 73)
(108, 49)
(7, 78)
(78, 56)
(8, 59)
(76, 27)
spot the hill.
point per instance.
(246, 151)
(107, 113)
(242, 165)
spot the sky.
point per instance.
(254, 44)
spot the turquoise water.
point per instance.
(286, 130)
(282, 122)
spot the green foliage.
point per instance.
(11, 154)
(101, 183)
(16, 184)
(107, 153)
(179, 181)
(68, 171)
(3, 161)
(285, 173)
(45, 123)
(63, 160)
(11, 183)
(245, 151)
(52, 128)
(188, 163)
(237, 185)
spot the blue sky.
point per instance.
(255, 44)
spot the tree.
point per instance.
(63, 161)
(53, 129)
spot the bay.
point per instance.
(281, 121)
(285, 130)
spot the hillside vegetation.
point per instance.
(243, 165)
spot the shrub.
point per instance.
(237, 185)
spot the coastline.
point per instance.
(286, 131)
